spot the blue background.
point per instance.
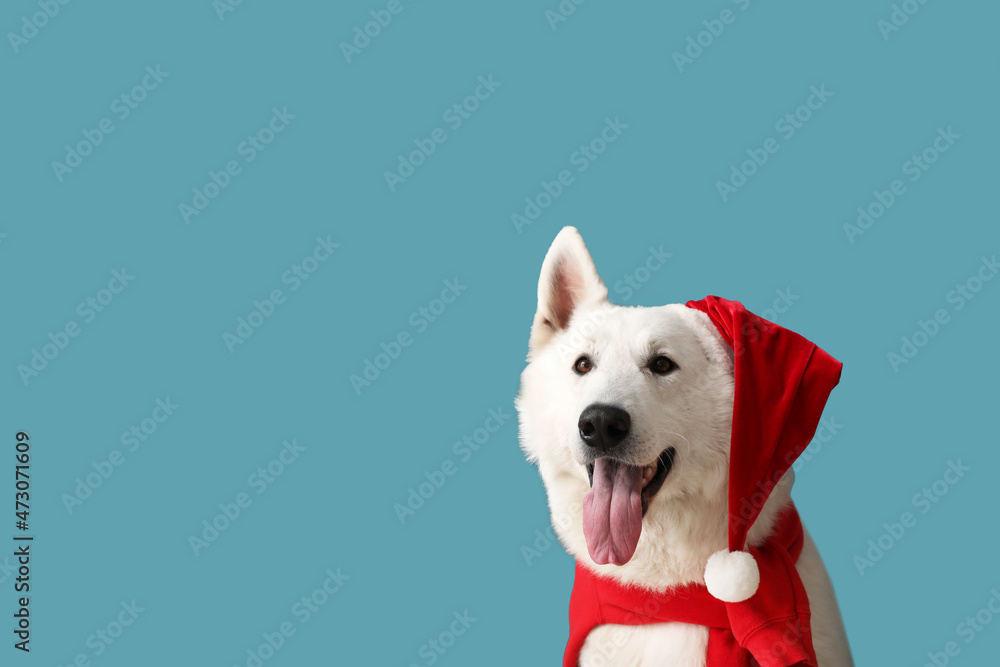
(323, 175)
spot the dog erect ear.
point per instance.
(568, 280)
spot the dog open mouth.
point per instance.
(619, 497)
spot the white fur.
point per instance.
(689, 409)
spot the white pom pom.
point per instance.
(731, 576)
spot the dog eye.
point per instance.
(583, 365)
(661, 365)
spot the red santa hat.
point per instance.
(782, 382)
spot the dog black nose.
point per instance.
(603, 426)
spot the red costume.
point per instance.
(782, 382)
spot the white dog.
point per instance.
(611, 389)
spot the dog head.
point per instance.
(627, 411)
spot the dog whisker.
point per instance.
(687, 443)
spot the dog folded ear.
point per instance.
(569, 279)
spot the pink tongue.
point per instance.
(612, 512)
